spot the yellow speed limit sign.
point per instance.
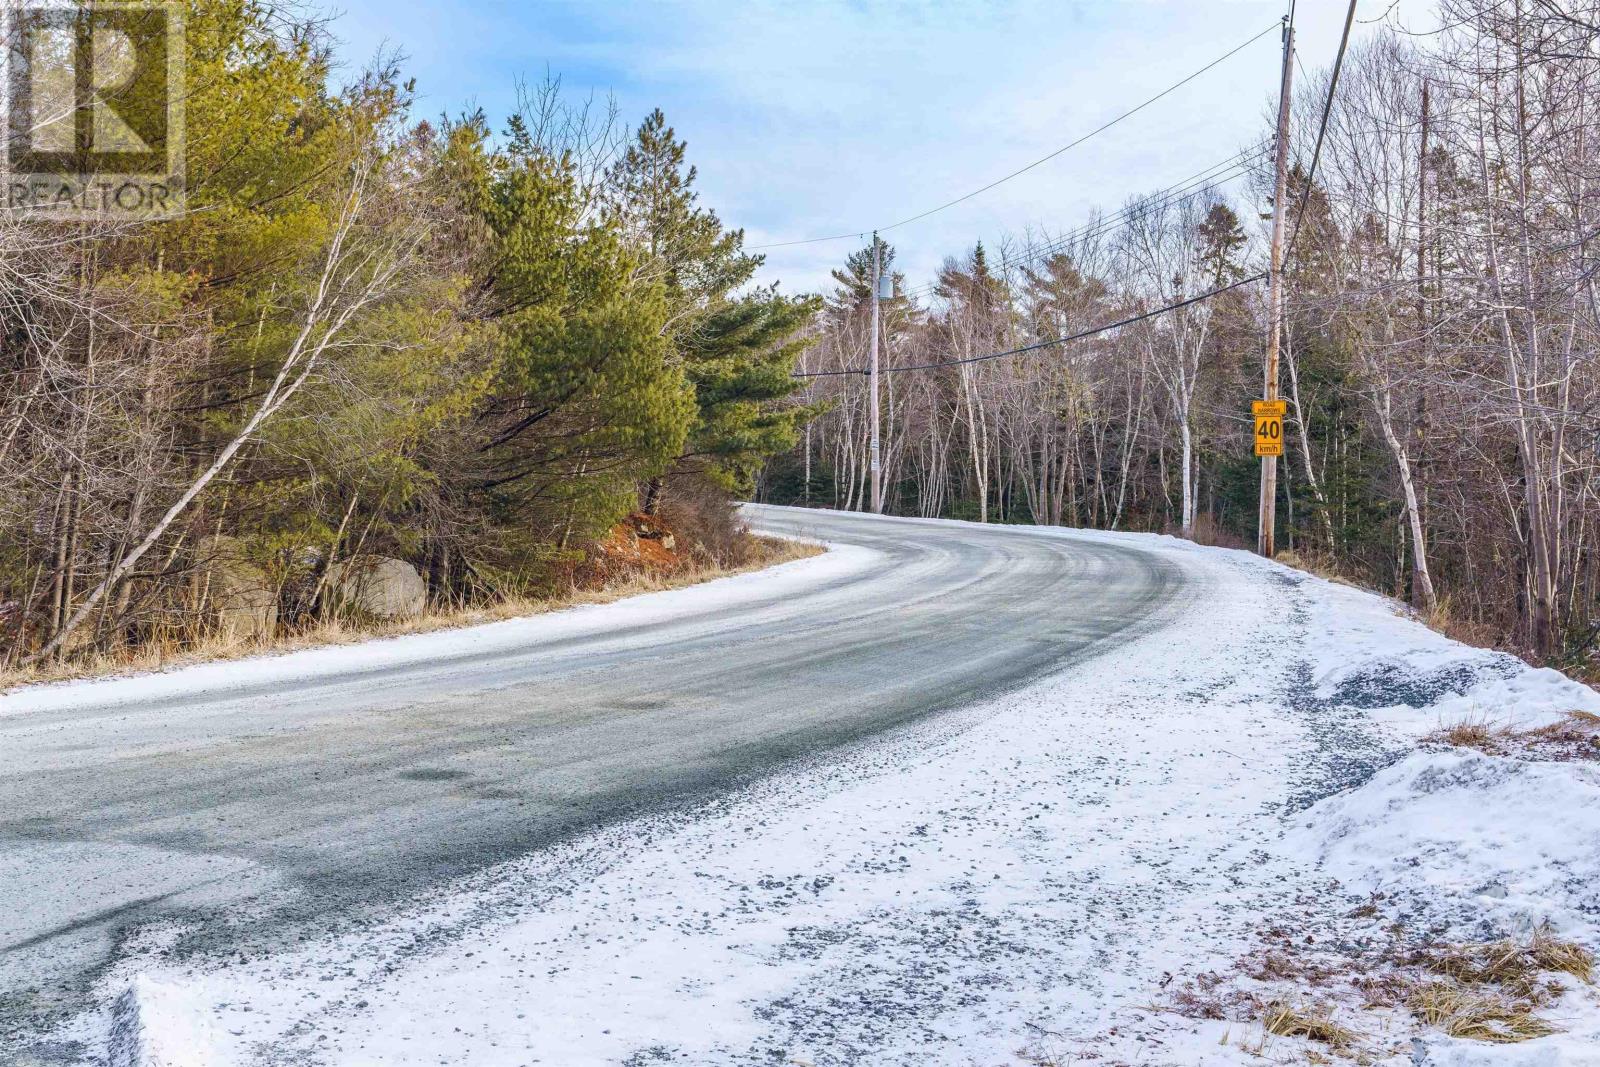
(1269, 426)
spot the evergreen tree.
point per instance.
(852, 294)
(587, 399)
(741, 360)
(680, 244)
(1221, 238)
(737, 351)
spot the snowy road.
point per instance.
(945, 795)
(253, 806)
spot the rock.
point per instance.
(245, 599)
(669, 542)
(245, 607)
(380, 586)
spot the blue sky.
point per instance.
(830, 116)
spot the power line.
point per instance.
(1087, 234)
(1322, 130)
(1041, 344)
(1170, 89)
(1217, 174)
(1016, 173)
(1100, 227)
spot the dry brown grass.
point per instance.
(1508, 962)
(1285, 963)
(1446, 620)
(1314, 563)
(1492, 990)
(1313, 1024)
(1481, 734)
(1564, 957)
(1211, 996)
(1479, 1016)
(1295, 982)
(1576, 736)
(1208, 532)
(766, 552)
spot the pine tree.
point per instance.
(737, 352)
(589, 399)
(852, 294)
(680, 244)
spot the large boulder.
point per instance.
(239, 591)
(379, 586)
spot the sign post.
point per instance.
(1268, 512)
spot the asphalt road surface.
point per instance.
(250, 819)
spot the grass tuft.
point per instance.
(1575, 737)
(1491, 991)
(1284, 1020)
(1491, 1017)
(1484, 736)
(1516, 966)
(1567, 957)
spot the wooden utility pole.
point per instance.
(1268, 516)
(872, 374)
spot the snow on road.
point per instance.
(231, 677)
(1010, 880)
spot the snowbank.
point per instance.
(156, 1024)
(1369, 652)
(1467, 846)
(350, 661)
(1474, 835)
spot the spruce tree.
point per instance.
(1221, 238)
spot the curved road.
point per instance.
(253, 817)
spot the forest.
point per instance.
(469, 349)
(477, 348)
(1440, 344)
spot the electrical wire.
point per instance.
(1240, 162)
(1084, 234)
(1142, 316)
(1016, 173)
(1322, 130)
(1217, 174)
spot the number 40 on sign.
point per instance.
(1269, 426)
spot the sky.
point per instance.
(827, 117)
